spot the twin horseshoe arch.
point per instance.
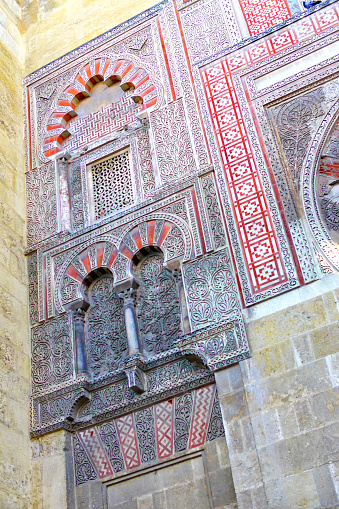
(164, 232)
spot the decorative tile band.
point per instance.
(152, 434)
(255, 226)
(261, 14)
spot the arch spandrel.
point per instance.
(319, 186)
(164, 231)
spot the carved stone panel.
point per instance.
(213, 210)
(33, 288)
(106, 334)
(158, 307)
(149, 435)
(42, 218)
(205, 30)
(210, 290)
(172, 142)
(52, 353)
(295, 122)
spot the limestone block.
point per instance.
(333, 367)
(288, 420)
(287, 323)
(285, 388)
(90, 496)
(299, 453)
(36, 484)
(304, 415)
(324, 484)
(300, 491)
(159, 500)
(222, 488)
(331, 306)
(325, 407)
(270, 361)
(145, 502)
(222, 451)
(252, 499)
(303, 349)
(325, 340)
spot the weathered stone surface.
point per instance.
(300, 453)
(325, 340)
(288, 323)
(325, 487)
(303, 349)
(14, 348)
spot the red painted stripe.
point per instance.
(85, 261)
(111, 260)
(146, 78)
(165, 232)
(106, 66)
(135, 234)
(100, 255)
(167, 62)
(151, 227)
(74, 274)
(198, 220)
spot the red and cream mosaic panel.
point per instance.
(164, 428)
(91, 441)
(128, 440)
(262, 14)
(175, 425)
(255, 228)
(298, 32)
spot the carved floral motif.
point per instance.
(158, 307)
(106, 334)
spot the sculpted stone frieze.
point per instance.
(42, 218)
(52, 354)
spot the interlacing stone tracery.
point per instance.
(106, 333)
(158, 306)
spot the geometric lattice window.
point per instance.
(112, 185)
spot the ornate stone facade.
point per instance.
(177, 178)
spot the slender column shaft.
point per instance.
(131, 321)
(79, 333)
(65, 212)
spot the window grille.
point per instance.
(112, 185)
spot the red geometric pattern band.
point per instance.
(262, 14)
(255, 227)
(123, 447)
(95, 450)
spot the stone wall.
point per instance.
(59, 26)
(291, 386)
(51, 472)
(281, 406)
(14, 342)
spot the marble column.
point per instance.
(131, 324)
(79, 315)
(64, 194)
